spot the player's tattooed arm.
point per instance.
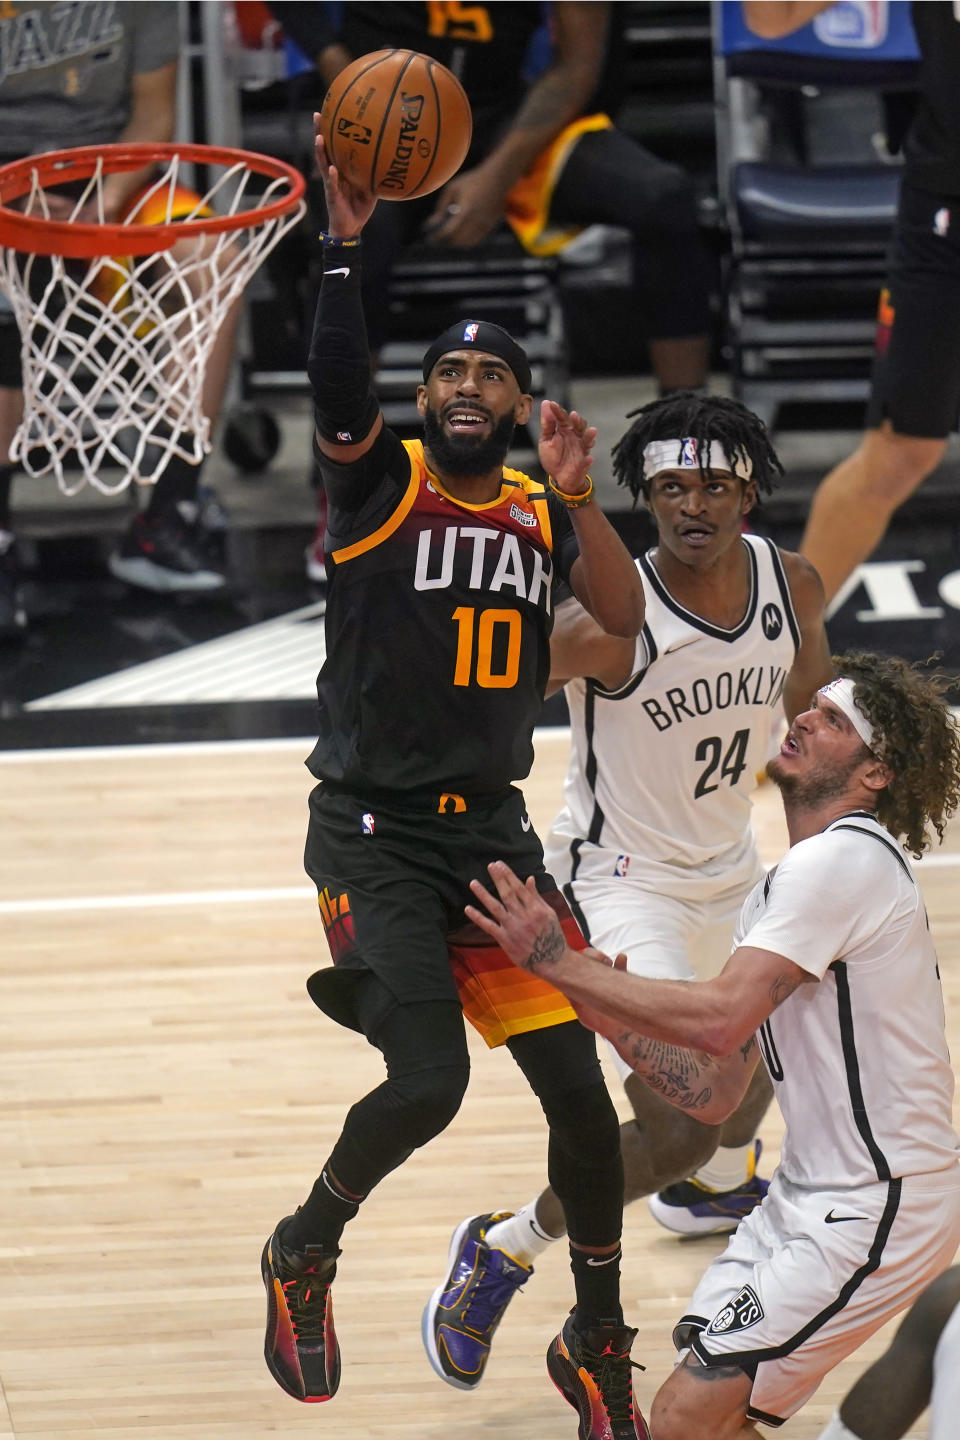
(783, 986)
(689, 1079)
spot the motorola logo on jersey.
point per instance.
(744, 1310)
(771, 618)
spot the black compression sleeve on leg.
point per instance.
(338, 365)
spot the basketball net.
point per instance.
(115, 345)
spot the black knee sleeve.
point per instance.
(386, 1126)
(428, 1066)
(584, 1164)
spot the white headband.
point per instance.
(682, 455)
(840, 693)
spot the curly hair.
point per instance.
(916, 735)
(703, 417)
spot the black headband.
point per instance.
(480, 335)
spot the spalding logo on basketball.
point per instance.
(397, 124)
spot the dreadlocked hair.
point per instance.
(916, 735)
(688, 413)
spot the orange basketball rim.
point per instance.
(117, 318)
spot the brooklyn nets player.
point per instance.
(833, 980)
(654, 849)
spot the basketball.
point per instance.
(396, 123)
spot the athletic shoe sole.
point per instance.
(145, 575)
(679, 1220)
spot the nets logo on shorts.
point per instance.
(743, 1310)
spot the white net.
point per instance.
(115, 349)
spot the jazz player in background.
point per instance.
(545, 156)
(437, 625)
(834, 982)
(654, 847)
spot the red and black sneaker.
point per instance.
(591, 1369)
(168, 554)
(300, 1347)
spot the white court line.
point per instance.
(172, 899)
(304, 743)
(157, 900)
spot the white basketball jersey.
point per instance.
(661, 770)
(859, 1060)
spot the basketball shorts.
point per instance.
(916, 372)
(528, 202)
(392, 883)
(663, 937)
(809, 1275)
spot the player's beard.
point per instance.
(465, 455)
(816, 787)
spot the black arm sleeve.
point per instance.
(338, 365)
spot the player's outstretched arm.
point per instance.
(603, 577)
(652, 1022)
(578, 646)
(347, 413)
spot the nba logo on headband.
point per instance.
(688, 456)
(470, 331)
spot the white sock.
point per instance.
(522, 1237)
(836, 1430)
(728, 1168)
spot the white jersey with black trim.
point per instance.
(859, 1060)
(662, 769)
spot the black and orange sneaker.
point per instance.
(591, 1369)
(301, 1347)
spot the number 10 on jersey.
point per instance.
(477, 637)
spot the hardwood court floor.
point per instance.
(168, 1092)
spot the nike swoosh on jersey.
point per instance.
(525, 822)
(832, 1219)
(345, 270)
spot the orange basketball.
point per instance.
(396, 123)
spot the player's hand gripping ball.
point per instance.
(396, 124)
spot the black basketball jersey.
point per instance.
(438, 622)
(484, 45)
